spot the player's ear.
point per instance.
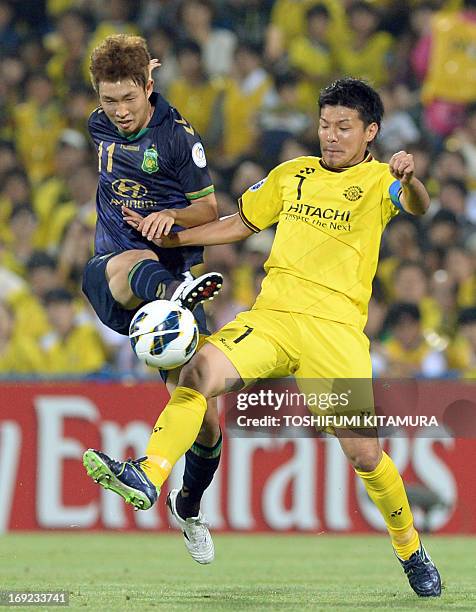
(371, 131)
(149, 87)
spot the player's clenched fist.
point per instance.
(402, 166)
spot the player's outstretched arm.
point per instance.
(415, 199)
(225, 230)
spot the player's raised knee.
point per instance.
(365, 460)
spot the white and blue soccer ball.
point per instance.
(163, 334)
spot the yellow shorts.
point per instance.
(273, 344)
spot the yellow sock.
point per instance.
(174, 433)
(385, 488)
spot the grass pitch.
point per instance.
(250, 572)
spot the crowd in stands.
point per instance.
(246, 74)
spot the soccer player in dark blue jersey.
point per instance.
(150, 160)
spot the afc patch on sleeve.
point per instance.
(198, 155)
(257, 185)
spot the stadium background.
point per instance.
(246, 74)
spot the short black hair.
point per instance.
(401, 312)
(58, 296)
(444, 216)
(318, 10)
(40, 259)
(456, 183)
(356, 94)
(188, 46)
(467, 316)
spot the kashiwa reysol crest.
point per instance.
(150, 163)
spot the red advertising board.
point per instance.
(263, 484)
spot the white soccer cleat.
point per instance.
(196, 534)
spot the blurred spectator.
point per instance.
(38, 125)
(244, 96)
(68, 45)
(161, 46)
(281, 118)
(71, 347)
(461, 270)
(401, 242)
(367, 52)
(195, 95)
(218, 44)
(450, 68)
(411, 286)
(18, 352)
(27, 302)
(9, 38)
(312, 56)
(464, 141)
(443, 230)
(406, 352)
(53, 193)
(462, 353)
(398, 127)
(247, 173)
(288, 21)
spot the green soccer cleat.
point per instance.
(126, 478)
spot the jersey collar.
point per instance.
(368, 157)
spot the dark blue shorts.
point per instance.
(111, 313)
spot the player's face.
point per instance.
(126, 104)
(343, 136)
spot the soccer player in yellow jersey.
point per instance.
(309, 317)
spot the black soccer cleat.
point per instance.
(422, 574)
(190, 293)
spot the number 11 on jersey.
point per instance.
(110, 152)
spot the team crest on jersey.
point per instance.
(257, 185)
(150, 163)
(353, 193)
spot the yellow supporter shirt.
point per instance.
(369, 62)
(197, 103)
(451, 73)
(290, 17)
(20, 356)
(81, 352)
(330, 223)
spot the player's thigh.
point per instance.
(210, 373)
(117, 274)
(335, 367)
(332, 350)
(259, 343)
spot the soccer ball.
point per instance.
(163, 334)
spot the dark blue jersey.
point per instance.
(161, 167)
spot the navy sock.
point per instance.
(148, 280)
(201, 463)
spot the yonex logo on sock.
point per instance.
(397, 512)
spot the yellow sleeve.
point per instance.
(261, 204)
(391, 205)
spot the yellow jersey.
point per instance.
(329, 226)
